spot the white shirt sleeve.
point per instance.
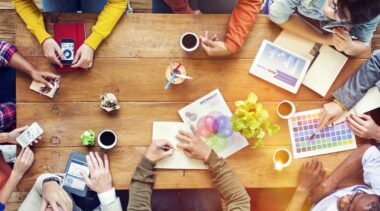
(107, 197)
(371, 168)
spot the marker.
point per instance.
(162, 147)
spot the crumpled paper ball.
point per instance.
(109, 102)
(88, 138)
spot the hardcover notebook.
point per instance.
(75, 31)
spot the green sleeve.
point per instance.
(228, 184)
(140, 190)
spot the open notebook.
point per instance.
(326, 61)
(168, 130)
(369, 102)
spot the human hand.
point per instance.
(310, 175)
(23, 161)
(341, 39)
(100, 179)
(364, 126)
(55, 196)
(331, 112)
(158, 150)
(52, 51)
(322, 190)
(11, 136)
(44, 78)
(83, 57)
(214, 47)
(193, 146)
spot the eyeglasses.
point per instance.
(356, 193)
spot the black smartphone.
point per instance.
(67, 47)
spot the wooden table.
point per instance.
(131, 64)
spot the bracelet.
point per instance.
(340, 104)
(52, 179)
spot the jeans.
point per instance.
(86, 6)
(7, 85)
(205, 6)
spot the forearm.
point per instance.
(107, 20)
(179, 6)
(9, 187)
(357, 86)
(18, 62)
(298, 26)
(140, 190)
(298, 199)
(228, 184)
(33, 18)
(4, 138)
(356, 48)
(351, 165)
(240, 24)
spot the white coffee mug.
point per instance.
(192, 49)
(279, 165)
(292, 112)
(104, 146)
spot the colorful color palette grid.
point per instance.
(336, 138)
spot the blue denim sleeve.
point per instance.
(357, 86)
(281, 10)
(364, 32)
(2, 207)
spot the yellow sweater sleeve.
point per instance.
(107, 20)
(33, 18)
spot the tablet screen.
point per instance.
(73, 178)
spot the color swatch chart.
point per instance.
(336, 138)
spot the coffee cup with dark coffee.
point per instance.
(189, 42)
(107, 139)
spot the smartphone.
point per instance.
(73, 182)
(29, 135)
(67, 47)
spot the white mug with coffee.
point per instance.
(107, 139)
(282, 158)
(286, 109)
(189, 42)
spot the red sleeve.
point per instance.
(179, 6)
(242, 19)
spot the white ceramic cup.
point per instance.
(103, 146)
(189, 49)
(279, 165)
(292, 112)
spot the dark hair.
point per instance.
(375, 206)
(361, 11)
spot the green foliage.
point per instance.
(88, 138)
(252, 120)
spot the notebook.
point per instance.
(326, 61)
(75, 31)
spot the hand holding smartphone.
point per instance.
(67, 46)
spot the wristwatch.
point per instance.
(50, 179)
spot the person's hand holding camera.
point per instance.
(193, 146)
(83, 57)
(52, 51)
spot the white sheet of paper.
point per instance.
(35, 86)
(168, 130)
(324, 70)
(369, 102)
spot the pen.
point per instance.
(162, 147)
(185, 77)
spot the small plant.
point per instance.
(252, 120)
(88, 138)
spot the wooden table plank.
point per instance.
(63, 123)
(254, 167)
(143, 80)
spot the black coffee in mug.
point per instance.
(107, 138)
(189, 41)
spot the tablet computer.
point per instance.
(73, 182)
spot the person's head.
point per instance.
(359, 201)
(354, 11)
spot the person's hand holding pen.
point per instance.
(331, 112)
(159, 149)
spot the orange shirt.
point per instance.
(240, 25)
